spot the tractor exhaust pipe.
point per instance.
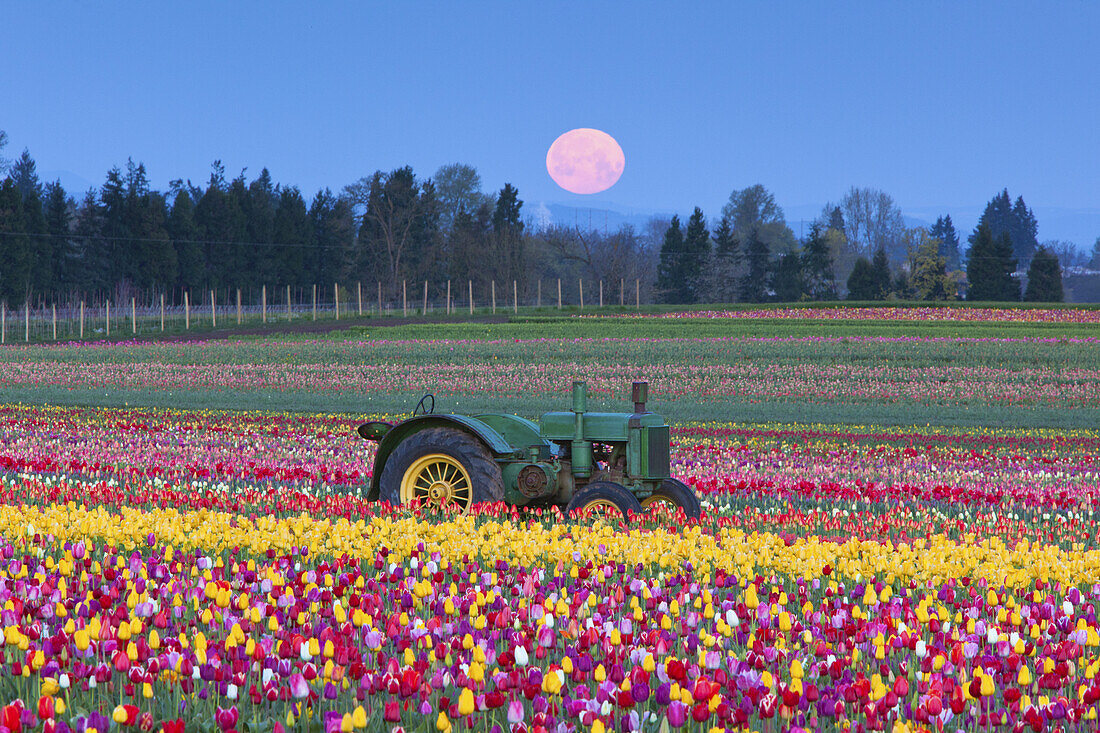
(639, 394)
(581, 449)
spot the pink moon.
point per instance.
(585, 161)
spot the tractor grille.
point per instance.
(658, 452)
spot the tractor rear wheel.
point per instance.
(441, 467)
(604, 497)
(676, 493)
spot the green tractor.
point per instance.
(578, 460)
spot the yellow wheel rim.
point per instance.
(656, 499)
(437, 480)
(602, 507)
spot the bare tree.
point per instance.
(4, 162)
(617, 257)
(1067, 253)
(872, 220)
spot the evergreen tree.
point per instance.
(944, 231)
(221, 226)
(863, 283)
(25, 175)
(696, 255)
(1044, 278)
(757, 265)
(190, 263)
(836, 220)
(787, 279)
(15, 250)
(989, 267)
(59, 214)
(41, 246)
(292, 236)
(817, 265)
(1024, 232)
(263, 198)
(111, 259)
(671, 284)
(725, 264)
(882, 274)
(152, 259)
(509, 242)
(333, 227)
(1015, 220)
(90, 250)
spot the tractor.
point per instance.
(612, 463)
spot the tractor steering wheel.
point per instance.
(425, 406)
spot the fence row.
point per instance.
(80, 320)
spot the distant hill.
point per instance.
(1080, 226)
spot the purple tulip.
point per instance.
(677, 714)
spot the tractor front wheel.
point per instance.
(675, 493)
(441, 467)
(604, 497)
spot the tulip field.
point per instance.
(911, 545)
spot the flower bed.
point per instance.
(222, 571)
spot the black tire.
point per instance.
(606, 491)
(681, 495)
(485, 476)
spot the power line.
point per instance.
(102, 238)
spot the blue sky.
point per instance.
(939, 104)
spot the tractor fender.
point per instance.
(492, 439)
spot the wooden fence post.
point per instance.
(238, 306)
(404, 300)
(263, 303)
(213, 314)
(638, 294)
(26, 320)
(448, 297)
(539, 301)
(559, 293)
(425, 298)
(3, 323)
(515, 298)
(336, 299)
(601, 292)
(186, 310)
(315, 301)
(108, 319)
(53, 307)
(82, 320)
(379, 297)
(133, 315)
(622, 286)
(359, 292)
(471, 297)
(162, 311)
(580, 286)
(494, 284)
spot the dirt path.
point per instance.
(305, 327)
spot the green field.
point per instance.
(761, 370)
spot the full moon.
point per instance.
(585, 161)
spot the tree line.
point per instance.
(389, 227)
(859, 249)
(394, 226)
